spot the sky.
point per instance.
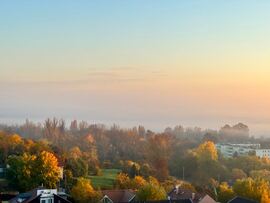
(150, 62)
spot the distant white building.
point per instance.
(263, 153)
(230, 150)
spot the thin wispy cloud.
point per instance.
(126, 74)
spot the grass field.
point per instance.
(106, 180)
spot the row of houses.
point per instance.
(177, 195)
(231, 150)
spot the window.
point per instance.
(43, 201)
(50, 201)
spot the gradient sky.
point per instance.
(150, 62)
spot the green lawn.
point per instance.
(106, 180)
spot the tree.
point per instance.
(207, 163)
(20, 172)
(75, 153)
(134, 170)
(265, 197)
(263, 174)
(123, 181)
(247, 163)
(207, 151)
(146, 170)
(238, 174)
(46, 169)
(225, 193)
(151, 192)
(251, 188)
(78, 167)
(83, 192)
(29, 171)
(69, 180)
(159, 148)
(137, 182)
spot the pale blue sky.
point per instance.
(146, 62)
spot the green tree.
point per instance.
(28, 171)
(238, 174)
(134, 170)
(20, 171)
(151, 192)
(78, 167)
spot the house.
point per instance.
(117, 196)
(5, 196)
(241, 200)
(40, 195)
(179, 193)
(169, 201)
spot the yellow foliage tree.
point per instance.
(83, 192)
(252, 188)
(15, 139)
(46, 169)
(123, 181)
(138, 182)
(207, 151)
(225, 193)
(151, 192)
(265, 197)
(29, 171)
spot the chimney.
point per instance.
(193, 196)
(177, 189)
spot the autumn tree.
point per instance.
(251, 188)
(265, 197)
(263, 174)
(151, 191)
(159, 148)
(137, 182)
(225, 192)
(46, 169)
(207, 162)
(206, 152)
(123, 181)
(20, 172)
(83, 192)
(238, 174)
(29, 171)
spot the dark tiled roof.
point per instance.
(119, 196)
(185, 194)
(241, 200)
(196, 197)
(169, 201)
